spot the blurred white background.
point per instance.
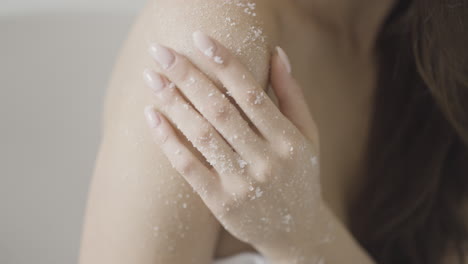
(55, 60)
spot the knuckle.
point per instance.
(287, 148)
(164, 138)
(204, 135)
(264, 170)
(220, 111)
(255, 97)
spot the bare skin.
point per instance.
(140, 210)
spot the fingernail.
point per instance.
(284, 58)
(162, 55)
(153, 80)
(204, 43)
(151, 117)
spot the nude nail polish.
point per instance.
(151, 117)
(162, 55)
(204, 43)
(284, 58)
(153, 80)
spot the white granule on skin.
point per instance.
(177, 152)
(251, 188)
(172, 85)
(218, 60)
(210, 94)
(242, 163)
(259, 99)
(184, 205)
(191, 81)
(258, 192)
(186, 106)
(209, 52)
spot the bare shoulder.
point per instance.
(139, 208)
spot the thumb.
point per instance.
(291, 99)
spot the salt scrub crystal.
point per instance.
(191, 81)
(242, 163)
(218, 60)
(209, 52)
(177, 152)
(184, 205)
(172, 85)
(231, 23)
(258, 192)
(259, 97)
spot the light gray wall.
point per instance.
(14, 7)
(54, 67)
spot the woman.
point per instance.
(366, 162)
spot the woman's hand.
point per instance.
(264, 184)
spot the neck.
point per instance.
(357, 21)
(330, 43)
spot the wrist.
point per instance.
(328, 242)
(307, 245)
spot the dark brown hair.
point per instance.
(411, 208)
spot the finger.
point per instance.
(197, 129)
(243, 87)
(203, 181)
(291, 99)
(209, 101)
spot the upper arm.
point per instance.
(140, 210)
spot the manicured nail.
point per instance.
(204, 43)
(151, 117)
(153, 80)
(284, 58)
(162, 55)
